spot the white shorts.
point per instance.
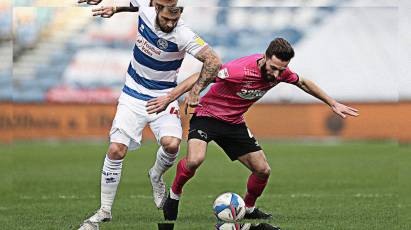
(131, 118)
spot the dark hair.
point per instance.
(281, 48)
(172, 9)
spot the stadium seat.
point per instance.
(50, 56)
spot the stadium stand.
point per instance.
(44, 3)
(41, 52)
(91, 54)
(47, 59)
(5, 21)
(5, 71)
(5, 51)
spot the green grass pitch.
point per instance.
(312, 186)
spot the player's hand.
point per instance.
(90, 2)
(191, 101)
(158, 104)
(104, 11)
(343, 110)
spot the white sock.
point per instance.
(110, 178)
(174, 196)
(164, 161)
(249, 209)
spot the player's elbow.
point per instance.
(213, 64)
(217, 64)
(212, 69)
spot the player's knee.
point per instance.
(263, 172)
(194, 163)
(117, 151)
(171, 145)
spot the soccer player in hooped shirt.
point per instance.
(162, 42)
(219, 117)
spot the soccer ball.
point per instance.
(229, 207)
(232, 226)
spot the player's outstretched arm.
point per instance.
(211, 66)
(338, 108)
(108, 11)
(159, 104)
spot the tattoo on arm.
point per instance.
(211, 66)
(126, 9)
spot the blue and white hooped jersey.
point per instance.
(157, 56)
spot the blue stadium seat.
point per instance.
(6, 94)
(33, 95)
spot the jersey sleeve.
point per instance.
(139, 3)
(230, 73)
(289, 76)
(190, 42)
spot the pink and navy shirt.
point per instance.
(238, 85)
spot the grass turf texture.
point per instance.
(312, 186)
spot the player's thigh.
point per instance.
(256, 162)
(127, 127)
(196, 152)
(202, 130)
(167, 124)
(236, 141)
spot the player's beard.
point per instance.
(265, 75)
(165, 29)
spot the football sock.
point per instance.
(163, 162)
(183, 174)
(249, 209)
(110, 178)
(255, 187)
(173, 195)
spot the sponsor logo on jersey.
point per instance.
(223, 74)
(251, 94)
(147, 47)
(140, 40)
(162, 44)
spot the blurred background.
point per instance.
(62, 70)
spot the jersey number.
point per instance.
(175, 111)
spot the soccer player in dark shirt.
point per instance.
(219, 117)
